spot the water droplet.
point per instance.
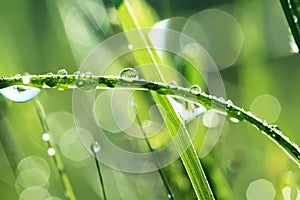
(88, 74)
(130, 46)
(265, 123)
(51, 151)
(19, 93)
(95, 147)
(46, 137)
(49, 74)
(234, 120)
(86, 82)
(229, 103)
(170, 196)
(62, 72)
(274, 127)
(17, 76)
(187, 110)
(221, 99)
(62, 81)
(172, 85)
(195, 89)
(26, 79)
(77, 73)
(129, 74)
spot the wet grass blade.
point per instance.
(291, 10)
(185, 147)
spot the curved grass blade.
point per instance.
(226, 107)
(95, 147)
(128, 16)
(160, 171)
(291, 10)
(56, 157)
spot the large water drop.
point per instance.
(95, 147)
(20, 93)
(195, 89)
(62, 72)
(172, 85)
(129, 74)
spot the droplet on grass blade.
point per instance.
(51, 151)
(17, 76)
(129, 74)
(86, 82)
(172, 85)
(20, 93)
(195, 89)
(77, 73)
(62, 72)
(95, 147)
(234, 120)
(46, 137)
(26, 79)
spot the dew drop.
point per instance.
(265, 123)
(274, 127)
(170, 196)
(234, 120)
(46, 137)
(195, 89)
(172, 85)
(88, 74)
(95, 147)
(129, 74)
(17, 76)
(19, 93)
(51, 151)
(77, 74)
(26, 79)
(62, 72)
(229, 103)
(221, 99)
(86, 82)
(130, 46)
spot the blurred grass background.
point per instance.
(251, 45)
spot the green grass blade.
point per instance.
(226, 107)
(292, 14)
(129, 20)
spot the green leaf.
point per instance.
(128, 11)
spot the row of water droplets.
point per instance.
(87, 82)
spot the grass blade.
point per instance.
(128, 17)
(292, 15)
